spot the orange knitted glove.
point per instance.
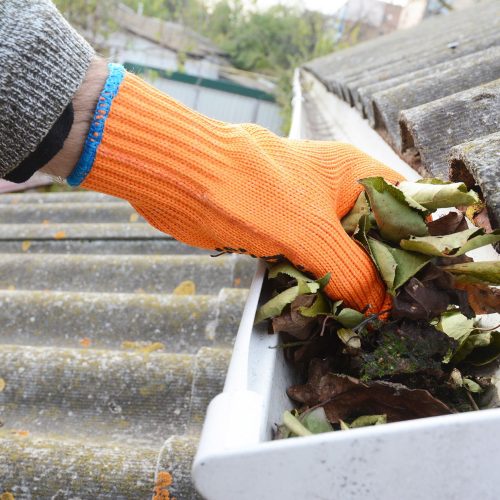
(236, 188)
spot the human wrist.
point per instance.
(84, 104)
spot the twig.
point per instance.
(369, 320)
(472, 402)
(487, 329)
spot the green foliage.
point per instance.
(272, 41)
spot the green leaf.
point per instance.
(385, 262)
(472, 386)
(294, 425)
(396, 266)
(349, 318)
(275, 306)
(397, 216)
(343, 426)
(455, 325)
(458, 327)
(361, 233)
(433, 195)
(288, 269)
(316, 421)
(365, 420)
(486, 272)
(320, 306)
(361, 207)
(451, 245)
(482, 355)
(480, 241)
(322, 282)
(349, 338)
(439, 246)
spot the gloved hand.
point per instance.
(236, 188)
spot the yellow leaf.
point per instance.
(60, 235)
(26, 245)
(85, 342)
(134, 217)
(7, 496)
(22, 433)
(2, 384)
(187, 287)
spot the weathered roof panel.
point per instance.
(435, 127)
(429, 89)
(480, 160)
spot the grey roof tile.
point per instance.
(427, 90)
(100, 361)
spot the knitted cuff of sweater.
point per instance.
(43, 61)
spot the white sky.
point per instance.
(325, 6)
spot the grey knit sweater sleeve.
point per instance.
(43, 61)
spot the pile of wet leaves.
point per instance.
(427, 355)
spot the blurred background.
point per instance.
(233, 59)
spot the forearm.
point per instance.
(84, 104)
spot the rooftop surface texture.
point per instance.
(432, 92)
(106, 365)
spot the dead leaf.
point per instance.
(6, 495)
(25, 246)
(2, 384)
(187, 287)
(59, 235)
(21, 433)
(482, 298)
(85, 342)
(134, 217)
(428, 295)
(452, 222)
(293, 322)
(346, 398)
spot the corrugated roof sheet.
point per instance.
(432, 92)
(105, 371)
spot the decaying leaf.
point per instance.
(457, 326)
(483, 299)
(275, 306)
(293, 322)
(472, 386)
(397, 217)
(450, 223)
(433, 195)
(428, 295)
(347, 398)
(365, 420)
(361, 207)
(350, 338)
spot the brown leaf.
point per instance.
(449, 224)
(428, 294)
(397, 401)
(292, 322)
(482, 298)
(347, 397)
